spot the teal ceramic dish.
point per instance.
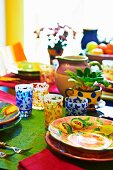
(10, 124)
(8, 112)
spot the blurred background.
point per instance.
(20, 18)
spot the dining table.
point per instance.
(31, 133)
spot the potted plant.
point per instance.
(57, 38)
(87, 84)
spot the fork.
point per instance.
(15, 149)
(4, 155)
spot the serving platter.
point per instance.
(83, 132)
(8, 112)
(73, 152)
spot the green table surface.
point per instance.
(30, 132)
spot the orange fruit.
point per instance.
(109, 49)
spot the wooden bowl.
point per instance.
(99, 57)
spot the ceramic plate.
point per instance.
(8, 112)
(9, 79)
(10, 124)
(73, 152)
(83, 132)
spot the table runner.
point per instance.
(28, 133)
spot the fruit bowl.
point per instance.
(99, 57)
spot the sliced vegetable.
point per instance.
(106, 129)
(77, 123)
(65, 128)
(10, 109)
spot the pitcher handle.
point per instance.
(69, 92)
(94, 63)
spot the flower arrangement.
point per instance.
(57, 36)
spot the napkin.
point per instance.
(6, 97)
(46, 160)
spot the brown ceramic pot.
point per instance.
(65, 63)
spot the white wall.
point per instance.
(78, 14)
(40, 13)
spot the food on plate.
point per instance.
(74, 124)
(1, 116)
(65, 127)
(77, 123)
(88, 132)
(107, 67)
(10, 109)
(109, 77)
(106, 129)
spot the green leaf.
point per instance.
(87, 118)
(93, 75)
(86, 72)
(79, 73)
(89, 84)
(87, 78)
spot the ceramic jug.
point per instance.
(69, 63)
(89, 35)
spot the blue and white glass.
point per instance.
(24, 93)
(76, 106)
